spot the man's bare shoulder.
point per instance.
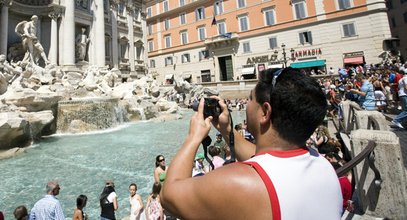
(235, 191)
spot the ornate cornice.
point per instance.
(55, 14)
(6, 3)
(114, 3)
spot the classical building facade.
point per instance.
(95, 32)
(224, 40)
(398, 25)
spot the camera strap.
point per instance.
(205, 143)
(231, 143)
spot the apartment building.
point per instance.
(225, 40)
(398, 26)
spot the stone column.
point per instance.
(4, 4)
(69, 34)
(115, 46)
(99, 18)
(144, 31)
(130, 22)
(53, 48)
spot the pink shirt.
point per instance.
(217, 161)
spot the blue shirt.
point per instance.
(368, 101)
(47, 208)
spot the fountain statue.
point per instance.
(27, 30)
(82, 41)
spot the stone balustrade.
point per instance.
(388, 197)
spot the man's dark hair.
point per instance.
(297, 101)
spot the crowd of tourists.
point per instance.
(380, 88)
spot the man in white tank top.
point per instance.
(279, 178)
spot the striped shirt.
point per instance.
(47, 208)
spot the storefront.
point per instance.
(248, 72)
(309, 60)
(353, 59)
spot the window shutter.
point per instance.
(309, 37)
(352, 31)
(273, 42)
(301, 38)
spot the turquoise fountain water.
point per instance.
(81, 164)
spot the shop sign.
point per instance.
(261, 59)
(353, 54)
(306, 53)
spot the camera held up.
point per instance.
(211, 107)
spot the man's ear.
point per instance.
(266, 116)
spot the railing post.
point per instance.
(388, 198)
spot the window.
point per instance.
(201, 33)
(206, 75)
(150, 29)
(168, 61)
(150, 46)
(269, 17)
(167, 40)
(148, 12)
(185, 58)
(221, 27)
(165, 6)
(121, 9)
(273, 42)
(243, 23)
(152, 63)
(218, 7)
(167, 24)
(405, 17)
(136, 14)
(181, 2)
(393, 22)
(246, 47)
(184, 37)
(200, 13)
(241, 3)
(203, 54)
(299, 8)
(389, 4)
(349, 30)
(344, 4)
(182, 18)
(305, 37)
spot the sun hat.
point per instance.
(199, 156)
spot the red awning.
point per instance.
(353, 60)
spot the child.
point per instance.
(80, 204)
(154, 209)
(21, 213)
(136, 204)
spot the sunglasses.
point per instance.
(275, 76)
(161, 160)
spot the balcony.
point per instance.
(222, 40)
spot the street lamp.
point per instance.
(284, 58)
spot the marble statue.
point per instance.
(27, 30)
(81, 44)
(8, 73)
